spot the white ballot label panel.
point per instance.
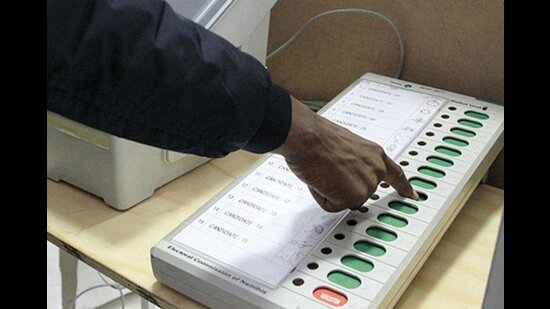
(268, 222)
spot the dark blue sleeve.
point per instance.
(137, 70)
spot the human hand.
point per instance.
(341, 169)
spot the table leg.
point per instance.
(68, 268)
(145, 304)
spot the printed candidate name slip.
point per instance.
(268, 222)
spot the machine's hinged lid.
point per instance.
(203, 12)
(234, 20)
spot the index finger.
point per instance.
(398, 180)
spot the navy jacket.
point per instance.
(137, 70)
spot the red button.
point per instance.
(330, 297)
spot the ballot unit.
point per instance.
(263, 242)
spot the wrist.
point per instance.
(304, 133)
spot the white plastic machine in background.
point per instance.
(123, 172)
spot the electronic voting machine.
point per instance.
(263, 242)
(124, 172)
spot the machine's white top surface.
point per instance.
(268, 222)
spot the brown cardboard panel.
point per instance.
(453, 45)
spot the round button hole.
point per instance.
(339, 236)
(298, 281)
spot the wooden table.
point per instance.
(117, 243)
